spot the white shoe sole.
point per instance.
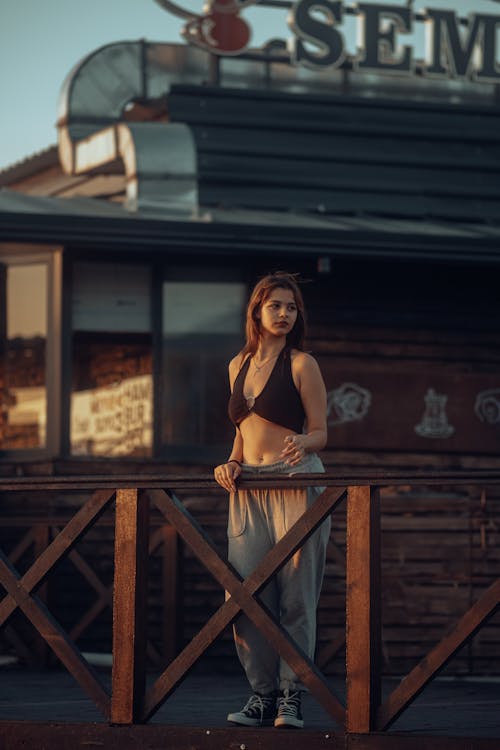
(243, 721)
(289, 723)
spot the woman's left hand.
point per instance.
(227, 474)
(294, 450)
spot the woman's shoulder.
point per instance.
(302, 359)
(306, 371)
(237, 362)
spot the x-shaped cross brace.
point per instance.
(20, 594)
(242, 598)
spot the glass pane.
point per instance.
(202, 330)
(111, 297)
(112, 390)
(23, 418)
(211, 307)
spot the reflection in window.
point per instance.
(23, 335)
(202, 329)
(112, 390)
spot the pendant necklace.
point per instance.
(258, 368)
(251, 399)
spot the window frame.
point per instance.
(60, 263)
(22, 255)
(72, 258)
(201, 273)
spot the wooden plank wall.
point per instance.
(437, 558)
(439, 546)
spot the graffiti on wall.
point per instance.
(349, 402)
(487, 406)
(434, 422)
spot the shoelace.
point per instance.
(289, 703)
(256, 704)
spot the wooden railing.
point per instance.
(129, 701)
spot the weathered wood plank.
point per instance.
(363, 642)
(28, 652)
(413, 684)
(129, 606)
(66, 736)
(371, 476)
(423, 742)
(71, 736)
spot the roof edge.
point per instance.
(30, 165)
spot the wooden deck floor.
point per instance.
(36, 708)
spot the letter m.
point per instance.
(460, 55)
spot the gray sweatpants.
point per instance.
(257, 520)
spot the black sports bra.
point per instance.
(278, 402)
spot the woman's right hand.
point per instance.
(227, 474)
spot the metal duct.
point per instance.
(159, 157)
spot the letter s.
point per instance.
(322, 34)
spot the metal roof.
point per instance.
(98, 224)
(286, 140)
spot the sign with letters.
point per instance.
(454, 47)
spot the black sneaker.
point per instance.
(259, 711)
(289, 713)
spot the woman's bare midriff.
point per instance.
(263, 441)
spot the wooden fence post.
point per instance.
(363, 605)
(129, 606)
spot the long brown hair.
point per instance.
(262, 290)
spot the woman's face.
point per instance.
(278, 312)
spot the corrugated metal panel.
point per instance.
(343, 155)
(98, 223)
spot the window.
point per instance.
(23, 354)
(198, 328)
(112, 374)
(202, 329)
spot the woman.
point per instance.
(278, 405)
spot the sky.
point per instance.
(41, 41)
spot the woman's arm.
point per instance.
(227, 473)
(237, 450)
(311, 386)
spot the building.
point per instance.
(180, 177)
